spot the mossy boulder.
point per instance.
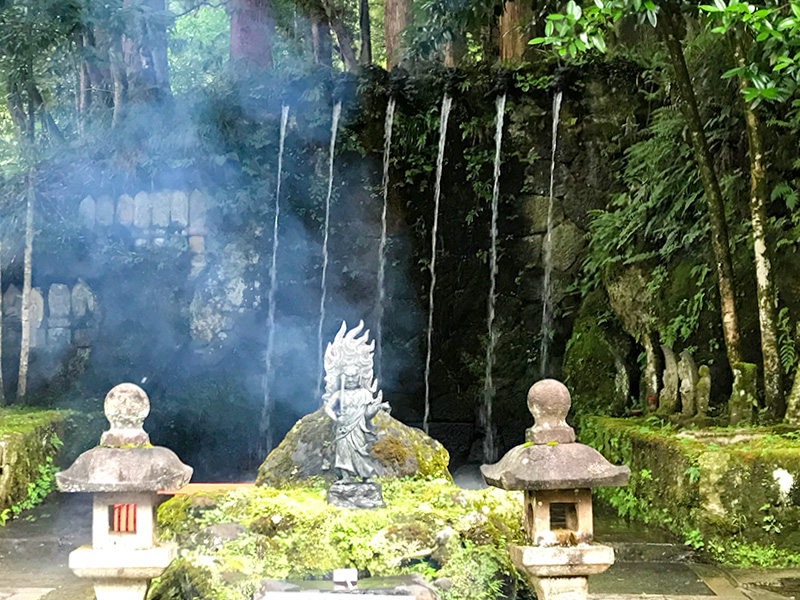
(307, 452)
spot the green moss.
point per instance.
(589, 367)
(293, 533)
(31, 440)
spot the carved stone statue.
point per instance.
(352, 399)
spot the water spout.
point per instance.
(387, 149)
(265, 439)
(489, 450)
(447, 101)
(547, 296)
(337, 111)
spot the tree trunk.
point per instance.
(705, 165)
(252, 30)
(454, 50)
(16, 108)
(118, 78)
(396, 17)
(321, 41)
(765, 285)
(365, 51)
(25, 339)
(155, 43)
(514, 30)
(48, 123)
(2, 382)
(345, 43)
(84, 81)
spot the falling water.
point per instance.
(266, 412)
(488, 385)
(547, 300)
(437, 190)
(337, 110)
(387, 149)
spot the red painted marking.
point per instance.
(124, 518)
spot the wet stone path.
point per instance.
(34, 551)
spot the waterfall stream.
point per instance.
(447, 101)
(547, 251)
(489, 453)
(387, 150)
(337, 111)
(266, 412)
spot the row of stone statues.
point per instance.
(686, 388)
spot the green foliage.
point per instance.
(198, 48)
(39, 488)
(292, 532)
(475, 572)
(786, 342)
(661, 216)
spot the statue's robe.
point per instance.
(353, 434)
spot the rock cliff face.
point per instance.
(307, 452)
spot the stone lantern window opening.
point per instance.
(122, 518)
(548, 511)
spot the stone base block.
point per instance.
(119, 564)
(557, 588)
(561, 561)
(121, 589)
(364, 494)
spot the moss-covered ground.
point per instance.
(428, 526)
(733, 494)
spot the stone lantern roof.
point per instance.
(125, 461)
(550, 459)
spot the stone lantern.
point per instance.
(557, 475)
(123, 473)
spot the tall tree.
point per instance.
(396, 17)
(365, 50)
(25, 339)
(666, 29)
(515, 25)
(2, 382)
(765, 284)
(252, 31)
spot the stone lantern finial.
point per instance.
(126, 406)
(549, 402)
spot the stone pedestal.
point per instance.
(557, 588)
(364, 494)
(561, 573)
(120, 589)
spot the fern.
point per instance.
(786, 344)
(787, 192)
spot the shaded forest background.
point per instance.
(677, 167)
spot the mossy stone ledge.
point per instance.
(731, 492)
(28, 437)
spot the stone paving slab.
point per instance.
(24, 593)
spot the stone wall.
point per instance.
(154, 219)
(60, 316)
